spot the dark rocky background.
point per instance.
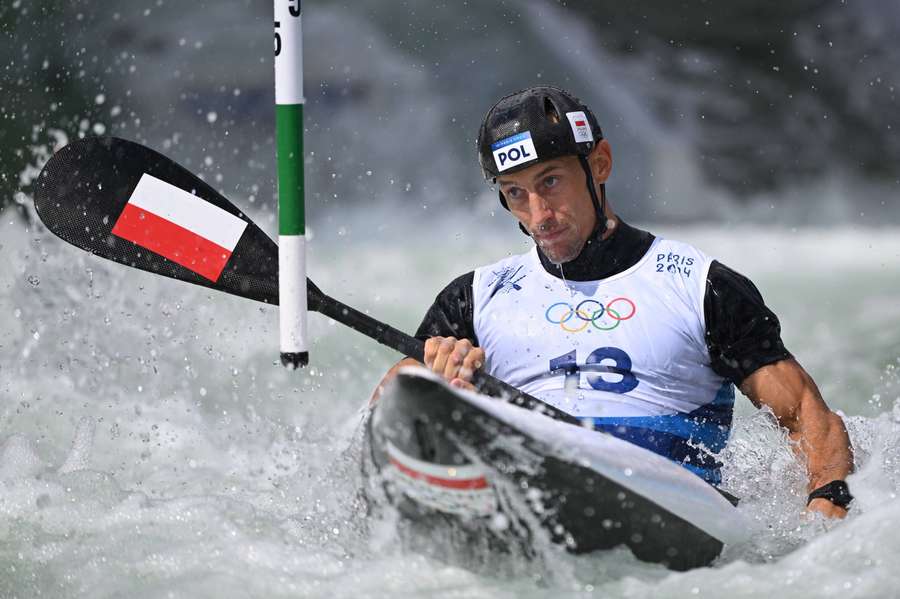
(715, 110)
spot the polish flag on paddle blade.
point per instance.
(180, 226)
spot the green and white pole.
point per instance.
(291, 211)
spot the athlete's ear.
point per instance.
(600, 160)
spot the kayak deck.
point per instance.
(445, 453)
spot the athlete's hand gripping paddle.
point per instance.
(122, 201)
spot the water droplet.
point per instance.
(499, 522)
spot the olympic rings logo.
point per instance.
(590, 313)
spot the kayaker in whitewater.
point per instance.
(642, 336)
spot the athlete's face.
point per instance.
(552, 202)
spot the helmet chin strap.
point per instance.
(599, 204)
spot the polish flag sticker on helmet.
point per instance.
(581, 129)
(514, 150)
(180, 226)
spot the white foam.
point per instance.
(239, 491)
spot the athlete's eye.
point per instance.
(514, 193)
(551, 181)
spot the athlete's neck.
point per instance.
(603, 257)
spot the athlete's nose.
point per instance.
(539, 208)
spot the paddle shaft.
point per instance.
(415, 348)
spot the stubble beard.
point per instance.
(565, 250)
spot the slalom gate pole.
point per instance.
(291, 210)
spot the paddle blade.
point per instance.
(125, 202)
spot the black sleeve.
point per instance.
(451, 313)
(742, 333)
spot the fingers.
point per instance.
(473, 361)
(453, 358)
(456, 354)
(431, 348)
(443, 355)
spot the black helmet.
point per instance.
(538, 123)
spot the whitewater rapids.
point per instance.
(151, 446)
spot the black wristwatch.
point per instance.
(837, 492)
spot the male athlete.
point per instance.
(644, 336)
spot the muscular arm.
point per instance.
(744, 340)
(819, 433)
